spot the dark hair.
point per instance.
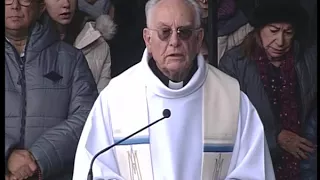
(251, 42)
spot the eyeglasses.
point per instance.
(21, 2)
(184, 33)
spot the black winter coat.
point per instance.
(48, 97)
(309, 166)
(246, 72)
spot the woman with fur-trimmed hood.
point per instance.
(90, 36)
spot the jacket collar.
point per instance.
(42, 34)
(87, 36)
(103, 27)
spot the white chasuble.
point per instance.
(213, 132)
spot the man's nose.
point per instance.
(15, 4)
(174, 39)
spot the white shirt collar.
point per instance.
(155, 85)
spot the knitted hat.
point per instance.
(274, 11)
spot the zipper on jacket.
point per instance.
(22, 82)
(23, 103)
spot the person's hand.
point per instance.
(11, 177)
(21, 165)
(24, 172)
(294, 144)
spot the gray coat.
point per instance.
(244, 69)
(48, 97)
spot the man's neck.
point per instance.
(17, 39)
(177, 76)
(166, 79)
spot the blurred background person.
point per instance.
(232, 25)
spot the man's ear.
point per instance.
(42, 7)
(200, 36)
(147, 38)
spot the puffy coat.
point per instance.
(48, 96)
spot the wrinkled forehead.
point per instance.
(173, 14)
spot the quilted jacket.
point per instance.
(48, 96)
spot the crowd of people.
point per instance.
(80, 75)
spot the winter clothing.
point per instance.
(232, 26)
(92, 41)
(48, 95)
(309, 166)
(245, 69)
(233, 39)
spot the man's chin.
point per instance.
(176, 66)
(14, 26)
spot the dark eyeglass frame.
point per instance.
(180, 30)
(24, 3)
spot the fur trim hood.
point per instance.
(106, 26)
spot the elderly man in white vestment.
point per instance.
(213, 133)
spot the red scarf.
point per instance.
(284, 97)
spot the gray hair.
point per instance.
(151, 3)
